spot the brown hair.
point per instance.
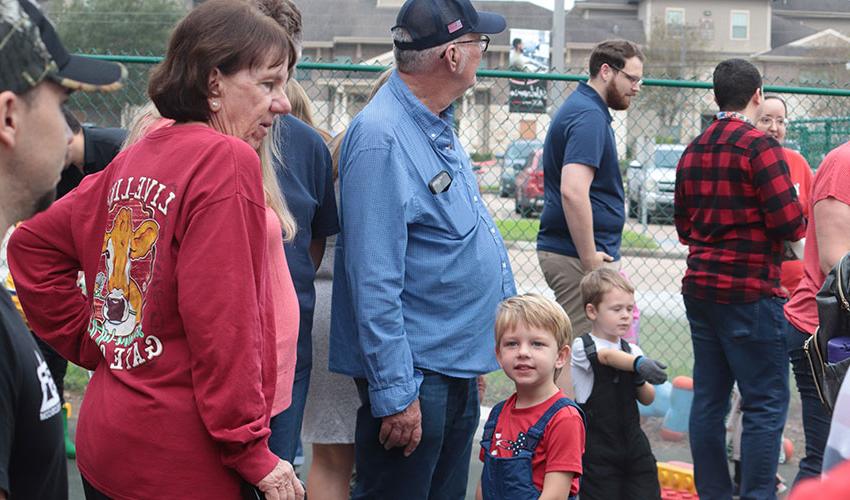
(536, 311)
(285, 13)
(781, 100)
(614, 53)
(224, 34)
(597, 283)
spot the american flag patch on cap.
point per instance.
(455, 26)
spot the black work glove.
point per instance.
(650, 371)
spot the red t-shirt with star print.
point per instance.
(562, 445)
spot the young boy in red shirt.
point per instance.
(533, 442)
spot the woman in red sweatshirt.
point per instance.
(176, 320)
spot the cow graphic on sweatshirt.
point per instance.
(124, 273)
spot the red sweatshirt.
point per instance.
(176, 319)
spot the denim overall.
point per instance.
(511, 478)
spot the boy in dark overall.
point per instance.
(533, 441)
(609, 374)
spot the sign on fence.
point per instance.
(527, 96)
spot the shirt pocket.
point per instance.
(453, 211)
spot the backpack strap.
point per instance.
(589, 348)
(624, 345)
(490, 427)
(535, 433)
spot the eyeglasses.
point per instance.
(766, 121)
(635, 80)
(482, 42)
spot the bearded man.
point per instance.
(582, 221)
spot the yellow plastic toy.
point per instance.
(676, 476)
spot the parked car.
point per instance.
(512, 162)
(651, 186)
(484, 171)
(529, 186)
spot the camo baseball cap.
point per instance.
(30, 52)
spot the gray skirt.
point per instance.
(332, 400)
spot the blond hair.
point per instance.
(141, 122)
(597, 283)
(302, 107)
(147, 116)
(274, 196)
(534, 311)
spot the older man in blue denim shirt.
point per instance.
(420, 266)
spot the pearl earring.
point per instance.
(215, 104)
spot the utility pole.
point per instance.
(558, 40)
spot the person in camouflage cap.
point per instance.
(30, 52)
(36, 76)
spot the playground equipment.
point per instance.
(675, 425)
(677, 481)
(661, 405)
(673, 402)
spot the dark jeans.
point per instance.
(55, 363)
(91, 492)
(743, 343)
(815, 417)
(439, 467)
(286, 425)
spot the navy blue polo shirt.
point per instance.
(581, 133)
(306, 180)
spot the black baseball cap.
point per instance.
(30, 52)
(435, 22)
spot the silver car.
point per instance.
(651, 186)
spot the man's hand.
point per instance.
(402, 429)
(650, 370)
(596, 261)
(281, 483)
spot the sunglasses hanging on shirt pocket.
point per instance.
(828, 350)
(440, 183)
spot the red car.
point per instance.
(529, 186)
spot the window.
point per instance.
(706, 29)
(674, 17)
(740, 25)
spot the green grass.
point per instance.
(526, 230)
(76, 379)
(632, 239)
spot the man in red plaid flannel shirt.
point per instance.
(735, 206)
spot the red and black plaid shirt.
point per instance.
(735, 205)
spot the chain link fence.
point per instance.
(502, 122)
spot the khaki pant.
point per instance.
(563, 275)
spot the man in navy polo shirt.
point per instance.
(582, 221)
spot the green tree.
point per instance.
(675, 52)
(116, 26)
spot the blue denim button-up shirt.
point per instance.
(417, 275)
